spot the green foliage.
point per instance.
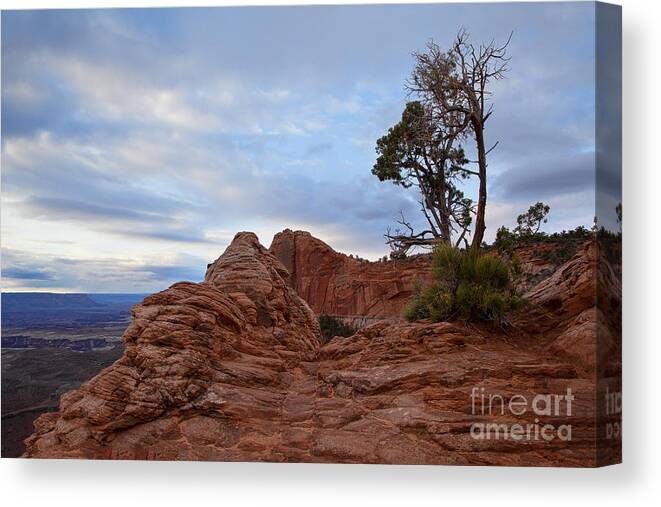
(505, 240)
(580, 232)
(467, 285)
(409, 145)
(398, 148)
(331, 327)
(527, 229)
(428, 301)
(530, 221)
(566, 243)
(418, 152)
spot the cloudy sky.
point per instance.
(136, 143)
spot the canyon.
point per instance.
(234, 368)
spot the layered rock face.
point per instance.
(233, 368)
(336, 284)
(364, 292)
(201, 361)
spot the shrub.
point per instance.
(426, 301)
(330, 327)
(505, 240)
(466, 285)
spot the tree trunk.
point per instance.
(480, 226)
(445, 215)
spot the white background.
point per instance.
(637, 481)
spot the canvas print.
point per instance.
(385, 234)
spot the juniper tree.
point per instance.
(421, 152)
(455, 87)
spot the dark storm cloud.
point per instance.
(560, 175)
(609, 115)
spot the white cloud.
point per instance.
(115, 95)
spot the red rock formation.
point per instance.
(343, 286)
(199, 360)
(233, 369)
(566, 309)
(366, 292)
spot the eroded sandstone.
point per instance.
(340, 285)
(234, 369)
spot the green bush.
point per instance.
(505, 241)
(466, 285)
(330, 327)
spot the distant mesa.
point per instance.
(31, 301)
(49, 310)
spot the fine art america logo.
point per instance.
(533, 409)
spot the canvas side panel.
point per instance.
(608, 202)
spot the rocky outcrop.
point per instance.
(364, 292)
(426, 393)
(337, 284)
(200, 359)
(577, 308)
(233, 368)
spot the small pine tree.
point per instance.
(530, 222)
